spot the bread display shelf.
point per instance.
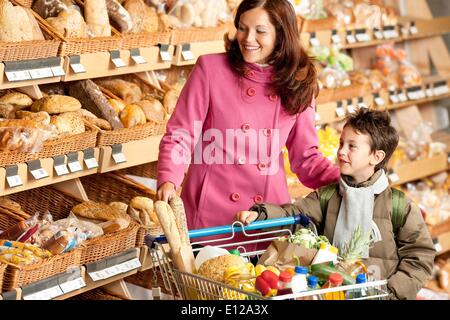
(192, 35)
(131, 152)
(100, 64)
(48, 164)
(188, 53)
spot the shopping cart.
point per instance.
(187, 286)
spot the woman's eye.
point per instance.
(261, 31)
(241, 28)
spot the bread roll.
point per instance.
(127, 91)
(145, 19)
(49, 8)
(214, 268)
(119, 16)
(68, 123)
(169, 225)
(117, 105)
(122, 207)
(114, 225)
(56, 104)
(153, 110)
(98, 211)
(41, 116)
(7, 111)
(170, 100)
(96, 16)
(16, 99)
(132, 116)
(147, 214)
(69, 24)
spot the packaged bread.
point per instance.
(24, 139)
(132, 116)
(15, 231)
(97, 19)
(56, 104)
(58, 243)
(68, 123)
(114, 225)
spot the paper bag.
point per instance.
(281, 255)
(184, 260)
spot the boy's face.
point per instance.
(355, 157)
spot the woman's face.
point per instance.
(256, 36)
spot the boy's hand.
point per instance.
(246, 217)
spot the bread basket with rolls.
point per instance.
(22, 36)
(2, 272)
(134, 198)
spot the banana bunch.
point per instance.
(240, 277)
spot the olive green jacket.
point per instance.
(406, 260)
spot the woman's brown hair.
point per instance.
(295, 78)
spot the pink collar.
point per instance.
(257, 73)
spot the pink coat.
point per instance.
(216, 97)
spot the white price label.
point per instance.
(390, 34)
(14, 181)
(119, 157)
(379, 101)
(441, 90)
(394, 98)
(165, 56)
(111, 272)
(430, 93)
(118, 62)
(41, 73)
(317, 116)
(58, 71)
(362, 105)
(91, 163)
(336, 39)
(438, 247)
(46, 294)
(130, 265)
(413, 30)
(402, 97)
(412, 95)
(97, 275)
(421, 94)
(75, 166)
(72, 285)
(61, 169)
(39, 173)
(340, 112)
(78, 68)
(139, 59)
(18, 75)
(314, 42)
(187, 55)
(351, 39)
(393, 177)
(362, 37)
(351, 108)
(378, 35)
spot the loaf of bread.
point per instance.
(7, 111)
(15, 25)
(16, 99)
(118, 105)
(214, 268)
(98, 211)
(132, 116)
(15, 231)
(153, 109)
(180, 217)
(58, 243)
(127, 91)
(114, 225)
(49, 8)
(145, 19)
(146, 211)
(68, 123)
(37, 32)
(122, 207)
(167, 219)
(69, 23)
(170, 100)
(56, 104)
(41, 116)
(119, 16)
(19, 123)
(96, 16)
(94, 101)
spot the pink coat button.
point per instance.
(273, 97)
(250, 74)
(261, 166)
(267, 131)
(241, 160)
(258, 199)
(245, 127)
(235, 196)
(251, 92)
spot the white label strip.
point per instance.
(46, 294)
(139, 59)
(58, 71)
(18, 75)
(14, 181)
(75, 166)
(118, 62)
(61, 169)
(340, 111)
(41, 73)
(72, 285)
(119, 157)
(336, 39)
(379, 101)
(187, 55)
(351, 39)
(39, 173)
(91, 163)
(394, 98)
(314, 42)
(362, 37)
(78, 68)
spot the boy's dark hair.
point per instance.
(377, 125)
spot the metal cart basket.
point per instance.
(189, 286)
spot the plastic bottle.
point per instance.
(313, 284)
(335, 280)
(299, 282)
(284, 283)
(361, 292)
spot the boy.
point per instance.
(403, 255)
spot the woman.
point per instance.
(235, 114)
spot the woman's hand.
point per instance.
(246, 217)
(166, 191)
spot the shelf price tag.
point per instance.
(72, 285)
(393, 177)
(186, 52)
(130, 265)
(73, 163)
(97, 275)
(413, 28)
(362, 36)
(59, 164)
(350, 37)
(393, 97)
(41, 73)
(401, 96)
(12, 176)
(136, 56)
(351, 108)
(76, 65)
(46, 294)
(415, 93)
(116, 59)
(117, 154)
(164, 52)
(18, 75)
(361, 103)
(440, 88)
(89, 159)
(390, 32)
(335, 38)
(36, 169)
(313, 40)
(378, 100)
(429, 91)
(340, 112)
(378, 34)
(57, 71)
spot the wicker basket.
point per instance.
(76, 142)
(148, 170)
(111, 187)
(145, 40)
(25, 3)
(60, 204)
(189, 35)
(35, 49)
(2, 273)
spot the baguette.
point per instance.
(167, 219)
(180, 216)
(98, 211)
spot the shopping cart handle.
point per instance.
(263, 224)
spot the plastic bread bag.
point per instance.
(24, 139)
(198, 13)
(90, 229)
(22, 230)
(367, 16)
(342, 10)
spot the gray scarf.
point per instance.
(357, 210)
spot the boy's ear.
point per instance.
(378, 156)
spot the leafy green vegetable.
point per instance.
(306, 238)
